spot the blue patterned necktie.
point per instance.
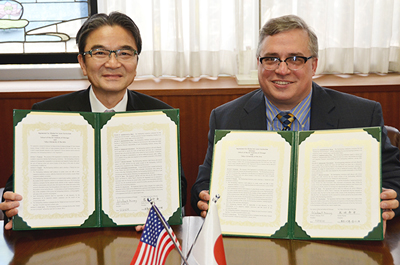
(286, 118)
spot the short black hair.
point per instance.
(114, 19)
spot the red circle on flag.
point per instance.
(219, 252)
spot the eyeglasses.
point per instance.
(294, 63)
(120, 55)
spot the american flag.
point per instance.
(155, 243)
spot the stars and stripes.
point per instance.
(155, 243)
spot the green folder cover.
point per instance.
(299, 184)
(95, 169)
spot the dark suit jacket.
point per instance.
(79, 101)
(330, 109)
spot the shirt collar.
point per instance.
(301, 111)
(97, 106)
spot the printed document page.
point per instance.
(140, 160)
(251, 173)
(338, 184)
(55, 169)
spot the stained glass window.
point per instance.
(41, 31)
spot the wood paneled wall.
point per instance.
(195, 101)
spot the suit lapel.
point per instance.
(322, 114)
(132, 103)
(81, 102)
(254, 117)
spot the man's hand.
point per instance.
(10, 204)
(203, 203)
(388, 203)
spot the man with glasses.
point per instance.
(289, 100)
(109, 48)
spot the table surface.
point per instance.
(118, 245)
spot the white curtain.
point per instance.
(355, 36)
(219, 37)
(193, 37)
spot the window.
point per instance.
(191, 37)
(33, 31)
(355, 36)
(216, 37)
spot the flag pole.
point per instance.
(166, 228)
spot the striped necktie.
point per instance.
(286, 118)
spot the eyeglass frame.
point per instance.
(90, 52)
(280, 61)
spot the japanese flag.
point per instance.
(208, 248)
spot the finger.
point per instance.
(203, 214)
(202, 205)
(11, 196)
(12, 212)
(8, 226)
(139, 228)
(389, 204)
(388, 194)
(204, 195)
(6, 206)
(387, 215)
(384, 228)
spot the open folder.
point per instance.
(95, 169)
(299, 185)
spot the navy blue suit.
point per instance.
(330, 109)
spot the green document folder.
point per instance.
(299, 185)
(95, 169)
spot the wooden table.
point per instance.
(118, 245)
(76, 246)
